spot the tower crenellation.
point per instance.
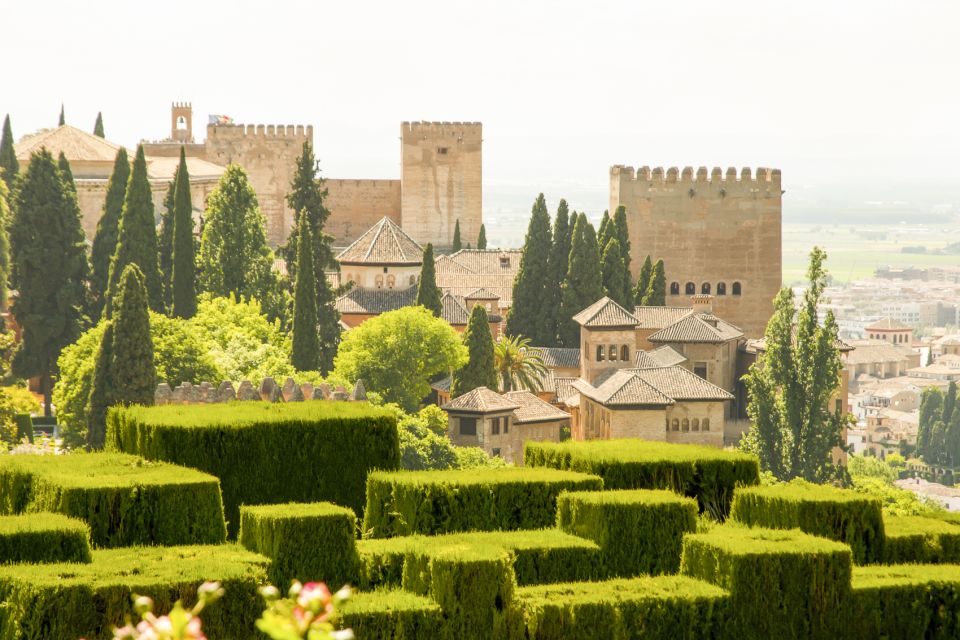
(764, 177)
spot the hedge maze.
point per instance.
(591, 540)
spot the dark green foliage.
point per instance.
(583, 284)
(98, 126)
(305, 354)
(656, 295)
(43, 537)
(905, 601)
(105, 240)
(938, 435)
(66, 174)
(124, 499)
(643, 281)
(66, 601)
(615, 277)
(62, 121)
(782, 584)
(183, 286)
(479, 370)
(392, 615)
(9, 167)
(267, 453)
(132, 377)
(708, 474)
(917, 539)
(653, 521)
(24, 426)
(309, 542)
(165, 241)
(559, 257)
(839, 514)
(622, 234)
(431, 502)
(101, 391)
(457, 244)
(137, 237)
(605, 231)
(428, 293)
(482, 238)
(6, 217)
(531, 313)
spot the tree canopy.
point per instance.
(105, 240)
(480, 370)
(9, 167)
(98, 126)
(518, 366)
(531, 314)
(457, 242)
(482, 238)
(616, 279)
(428, 293)
(183, 286)
(306, 339)
(582, 285)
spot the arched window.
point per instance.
(391, 281)
(696, 424)
(181, 123)
(690, 288)
(378, 281)
(706, 424)
(721, 288)
(413, 280)
(674, 288)
(705, 288)
(685, 426)
(600, 352)
(625, 353)
(676, 425)
(736, 288)
(613, 353)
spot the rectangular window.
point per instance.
(496, 453)
(442, 151)
(839, 405)
(468, 426)
(495, 426)
(700, 368)
(506, 425)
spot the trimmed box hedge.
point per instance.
(432, 502)
(710, 475)
(648, 608)
(309, 542)
(905, 601)
(43, 537)
(124, 499)
(392, 615)
(266, 452)
(782, 583)
(917, 539)
(843, 515)
(66, 601)
(639, 532)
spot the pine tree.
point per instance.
(531, 315)
(9, 167)
(49, 268)
(133, 376)
(480, 370)
(101, 391)
(482, 238)
(457, 245)
(643, 282)
(105, 240)
(165, 242)
(623, 235)
(428, 293)
(137, 237)
(5, 219)
(183, 286)
(656, 295)
(305, 355)
(613, 273)
(66, 174)
(98, 126)
(583, 285)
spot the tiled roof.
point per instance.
(659, 317)
(163, 168)
(466, 271)
(870, 351)
(558, 357)
(454, 311)
(384, 243)
(887, 324)
(681, 384)
(76, 145)
(760, 345)
(482, 294)
(623, 388)
(701, 327)
(665, 356)
(563, 388)
(533, 409)
(443, 384)
(375, 301)
(481, 400)
(605, 313)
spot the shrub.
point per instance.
(85, 600)
(905, 601)
(43, 537)
(652, 521)
(266, 453)
(782, 584)
(838, 514)
(124, 499)
(708, 474)
(916, 539)
(392, 615)
(431, 502)
(307, 542)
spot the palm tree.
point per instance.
(518, 366)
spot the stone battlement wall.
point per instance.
(765, 178)
(470, 131)
(233, 131)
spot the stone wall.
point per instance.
(689, 417)
(357, 205)
(268, 390)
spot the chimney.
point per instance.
(702, 303)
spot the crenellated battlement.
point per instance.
(361, 182)
(236, 131)
(181, 105)
(765, 177)
(465, 131)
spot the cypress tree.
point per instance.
(62, 120)
(656, 295)
(456, 237)
(530, 315)
(5, 220)
(623, 235)
(133, 376)
(582, 285)
(100, 392)
(137, 237)
(49, 268)
(9, 167)
(105, 240)
(98, 126)
(428, 293)
(305, 355)
(66, 174)
(165, 242)
(643, 282)
(559, 257)
(949, 403)
(183, 288)
(606, 231)
(480, 370)
(613, 273)
(482, 238)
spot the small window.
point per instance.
(384, 269)
(495, 426)
(700, 368)
(625, 353)
(674, 288)
(685, 426)
(696, 424)
(612, 353)
(706, 424)
(442, 151)
(736, 288)
(721, 288)
(600, 352)
(181, 123)
(378, 281)
(506, 425)
(468, 426)
(690, 288)
(705, 288)
(496, 452)
(391, 281)
(676, 425)
(413, 280)
(504, 262)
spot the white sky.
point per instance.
(859, 92)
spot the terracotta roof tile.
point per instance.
(681, 384)
(563, 388)
(533, 409)
(466, 271)
(481, 400)
(76, 145)
(375, 301)
(659, 317)
(623, 388)
(605, 313)
(558, 357)
(701, 327)
(887, 324)
(870, 351)
(454, 310)
(665, 356)
(384, 243)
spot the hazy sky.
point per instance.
(859, 92)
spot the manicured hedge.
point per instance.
(124, 499)
(265, 452)
(309, 542)
(648, 608)
(916, 539)
(43, 537)
(432, 502)
(782, 583)
(839, 514)
(66, 601)
(905, 601)
(392, 615)
(708, 474)
(639, 532)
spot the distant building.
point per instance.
(891, 331)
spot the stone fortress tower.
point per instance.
(718, 234)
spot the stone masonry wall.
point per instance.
(357, 205)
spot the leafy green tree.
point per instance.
(949, 403)
(183, 284)
(531, 314)
(165, 242)
(622, 234)
(615, 277)
(66, 174)
(98, 126)
(137, 237)
(518, 365)
(583, 284)
(643, 282)
(482, 238)
(5, 219)
(49, 268)
(790, 386)
(397, 353)
(656, 295)
(9, 167)
(428, 293)
(480, 370)
(105, 240)
(133, 375)
(457, 245)
(101, 390)
(306, 339)
(62, 121)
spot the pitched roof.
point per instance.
(558, 357)
(375, 301)
(887, 324)
(623, 388)
(468, 270)
(481, 400)
(870, 351)
(605, 313)
(384, 243)
(443, 384)
(681, 384)
(665, 356)
(482, 294)
(163, 168)
(533, 409)
(700, 327)
(76, 145)
(659, 317)
(453, 311)
(563, 388)
(760, 345)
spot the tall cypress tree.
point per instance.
(606, 231)
(305, 355)
(559, 257)
(614, 274)
(643, 282)
(49, 268)
(428, 293)
(583, 285)
(133, 376)
(98, 126)
(656, 295)
(137, 236)
(9, 167)
(457, 245)
(66, 174)
(5, 219)
(105, 240)
(101, 391)
(183, 286)
(482, 238)
(165, 242)
(480, 370)
(62, 120)
(623, 235)
(530, 315)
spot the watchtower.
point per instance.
(181, 122)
